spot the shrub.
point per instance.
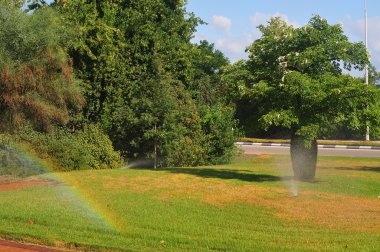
(15, 161)
(100, 148)
(185, 151)
(221, 132)
(86, 149)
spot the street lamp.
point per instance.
(366, 46)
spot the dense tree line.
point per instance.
(128, 67)
(124, 75)
(152, 90)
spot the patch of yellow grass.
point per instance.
(341, 212)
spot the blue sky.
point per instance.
(232, 23)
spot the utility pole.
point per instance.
(366, 46)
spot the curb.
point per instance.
(351, 147)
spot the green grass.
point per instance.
(245, 206)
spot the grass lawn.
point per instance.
(244, 206)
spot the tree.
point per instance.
(141, 75)
(31, 4)
(300, 86)
(213, 101)
(12, 3)
(206, 71)
(37, 86)
(373, 75)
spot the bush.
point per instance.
(221, 132)
(185, 151)
(100, 148)
(15, 161)
(86, 149)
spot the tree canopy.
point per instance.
(37, 86)
(130, 68)
(149, 87)
(299, 84)
(299, 78)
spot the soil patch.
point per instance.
(5, 179)
(9, 246)
(27, 183)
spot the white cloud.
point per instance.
(222, 23)
(231, 45)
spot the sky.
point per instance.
(232, 24)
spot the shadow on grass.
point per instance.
(224, 174)
(362, 168)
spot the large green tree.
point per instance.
(141, 75)
(213, 101)
(299, 83)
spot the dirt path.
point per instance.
(8, 246)
(12, 185)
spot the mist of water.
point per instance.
(289, 181)
(17, 162)
(293, 187)
(140, 163)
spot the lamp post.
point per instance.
(366, 46)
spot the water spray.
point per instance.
(141, 163)
(293, 187)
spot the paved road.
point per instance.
(249, 149)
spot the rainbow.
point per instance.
(101, 215)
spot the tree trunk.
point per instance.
(155, 146)
(304, 159)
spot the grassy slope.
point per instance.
(240, 207)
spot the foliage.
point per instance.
(86, 149)
(373, 75)
(221, 132)
(205, 85)
(236, 81)
(12, 3)
(182, 141)
(99, 147)
(299, 79)
(37, 86)
(145, 83)
(15, 161)
(299, 86)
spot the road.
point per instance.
(249, 149)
